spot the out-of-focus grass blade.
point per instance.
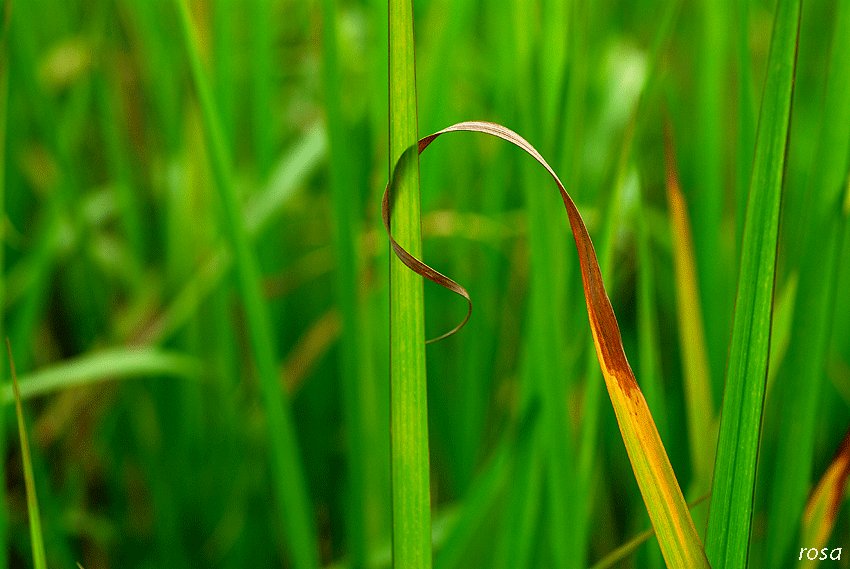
(102, 366)
(362, 527)
(286, 177)
(38, 556)
(290, 487)
(730, 514)
(702, 429)
(821, 510)
(665, 504)
(484, 491)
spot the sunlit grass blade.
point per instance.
(36, 537)
(290, 487)
(411, 490)
(822, 508)
(730, 514)
(702, 427)
(662, 495)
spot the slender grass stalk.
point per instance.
(37, 541)
(730, 513)
(290, 488)
(408, 395)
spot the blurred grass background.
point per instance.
(121, 295)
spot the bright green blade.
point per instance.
(731, 510)
(801, 384)
(411, 493)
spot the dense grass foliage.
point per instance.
(196, 281)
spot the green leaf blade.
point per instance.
(411, 494)
(730, 516)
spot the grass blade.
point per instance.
(802, 377)
(103, 366)
(702, 429)
(363, 525)
(665, 504)
(38, 556)
(411, 493)
(290, 486)
(730, 512)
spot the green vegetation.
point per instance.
(39, 560)
(222, 363)
(410, 463)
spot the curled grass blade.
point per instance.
(665, 504)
